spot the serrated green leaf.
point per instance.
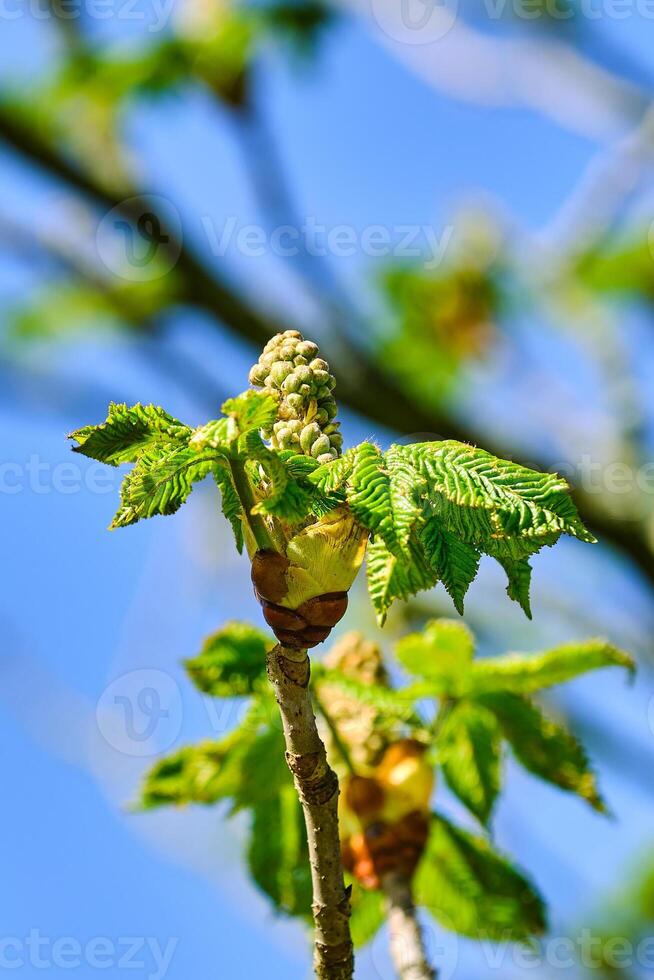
(330, 477)
(397, 705)
(455, 563)
(232, 662)
(278, 853)
(252, 410)
(280, 495)
(407, 488)
(264, 772)
(544, 747)
(442, 652)
(204, 773)
(159, 483)
(469, 747)
(471, 889)
(230, 502)
(524, 673)
(368, 915)
(396, 576)
(369, 495)
(519, 502)
(217, 434)
(518, 572)
(128, 432)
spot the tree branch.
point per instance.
(406, 939)
(317, 786)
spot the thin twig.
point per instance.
(406, 938)
(342, 748)
(317, 786)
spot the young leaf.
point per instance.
(282, 496)
(128, 432)
(264, 772)
(202, 773)
(331, 477)
(518, 573)
(397, 705)
(395, 576)
(441, 653)
(524, 674)
(407, 488)
(469, 748)
(520, 502)
(277, 853)
(369, 495)
(159, 483)
(455, 563)
(471, 889)
(543, 747)
(217, 434)
(368, 915)
(230, 502)
(252, 411)
(232, 661)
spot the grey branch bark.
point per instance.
(317, 786)
(406, 939)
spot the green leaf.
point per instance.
(159, 484)
(280, 495)
(252, 411)
(469, 749)
(396, 576)
(232, 662)
(332, 476)
(392, 704)
(216, 434)
(264, 772)
(441, 653)
(544, 747)
(368, 915)
(278, 853)
(202, 773)
(471, 889)
(248, 766)
(465, 482)
(128, 432)
(518, 572)
(369, 495)
(456, 563)
(524, 673)
(407, 488)
(230, 502)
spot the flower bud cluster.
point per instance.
(292, 371)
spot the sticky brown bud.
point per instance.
(269, 575)
(324, 610)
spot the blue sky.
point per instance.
(364, 143)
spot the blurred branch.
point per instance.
(364, 388)
(547, 76)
